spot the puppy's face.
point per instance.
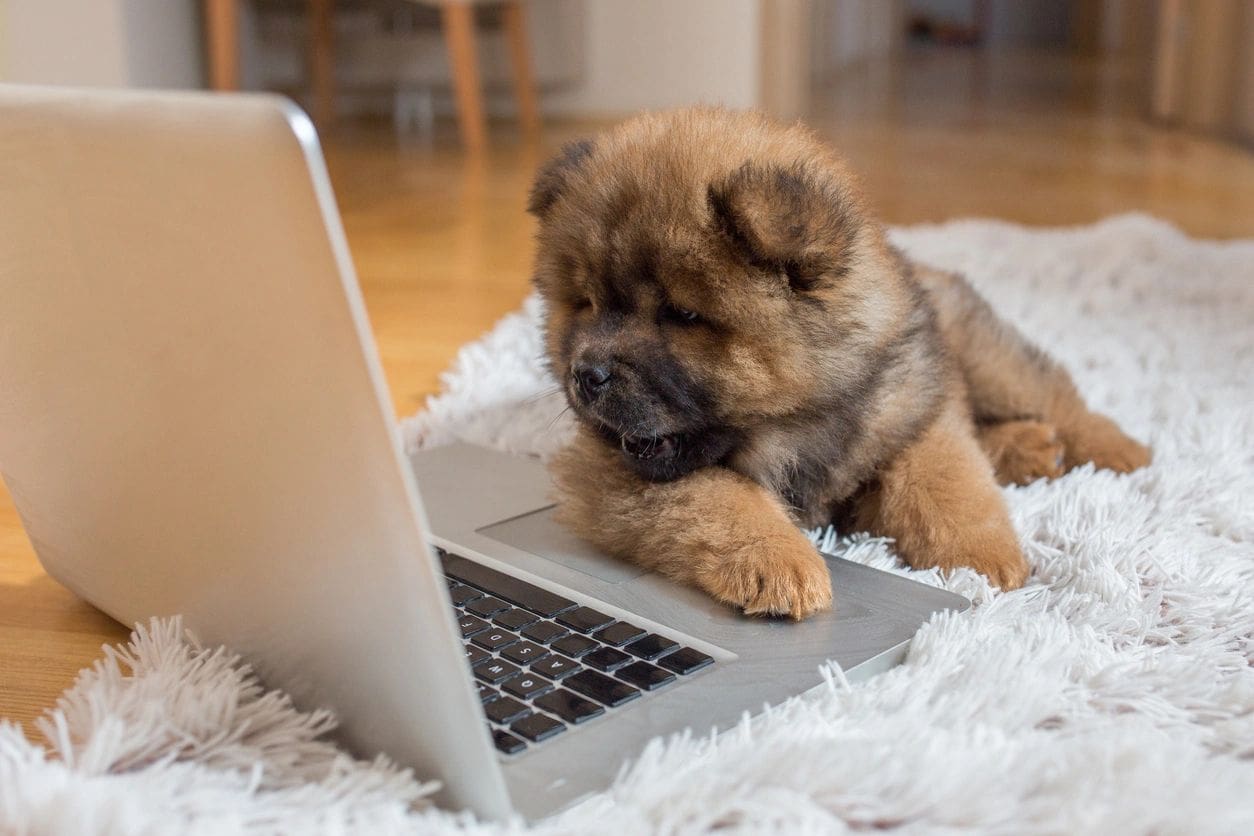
(704, 272)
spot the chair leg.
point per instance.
(222, 43)
(322, 60)
(515, 23)
(459, 37)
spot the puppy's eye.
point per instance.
(581, 304)
(680, 316)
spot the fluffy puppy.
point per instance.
(746, 354)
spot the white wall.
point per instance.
(106, 43)
(64, 42)
(164, 42)
(665, 53)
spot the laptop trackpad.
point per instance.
(541, 535)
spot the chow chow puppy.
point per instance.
(747, 354)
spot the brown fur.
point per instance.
(746, 353)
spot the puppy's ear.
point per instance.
(552, 177)
(786, 220)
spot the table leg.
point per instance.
(222, 43)
(459, 36)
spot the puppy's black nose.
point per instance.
(591, 379)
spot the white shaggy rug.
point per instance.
(1113, 694)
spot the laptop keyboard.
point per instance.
(543, 662)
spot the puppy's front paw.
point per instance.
(1006, 567)
(786, 577)
(990, 548)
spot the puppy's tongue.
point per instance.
(649, 448)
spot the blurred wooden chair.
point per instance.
(458, 23)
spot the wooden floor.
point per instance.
(443, 246)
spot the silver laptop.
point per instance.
(193, 419)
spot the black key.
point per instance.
(646, 676)
(685, 661)
(606, 659)
(574, 645)
(538, 727)
(525, 686)
(475, 655)
(568, 706)
(505, 710)
(515, 619)
(651, 647)
(601, 688)
(486, 692)
(525, 652)
(462, 594)
(494, 671)
(471, 625)
(494, 639)
(584, 619)
(544, 632)
(555, 667)
(486, 606)
(618, 634)
(519, 593)
(506, 742)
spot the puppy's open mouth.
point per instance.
(646, 448)
(661, 458)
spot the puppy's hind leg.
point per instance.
(1010, 380)
(713, 529)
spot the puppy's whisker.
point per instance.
(556, 418)
(542, 394)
